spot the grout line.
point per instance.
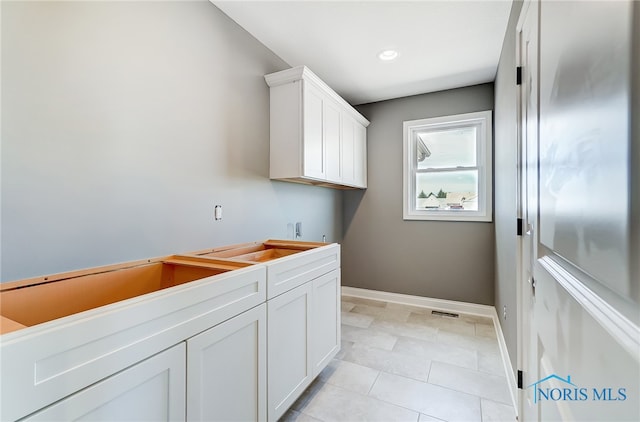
(374, 383)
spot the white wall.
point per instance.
(123, 123)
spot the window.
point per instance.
(447, 168)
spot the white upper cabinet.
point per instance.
(354, 147)
(316, 136)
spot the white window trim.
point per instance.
(484, 163)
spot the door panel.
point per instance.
(348, 150)
(313, 146)
(227, 372)
(331, 131)
(289, 365)
(152, 390)
(584, 137)
(326, 319)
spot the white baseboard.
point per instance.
(424, 302)
(448, 306)
(506, 361)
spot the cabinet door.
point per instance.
(152, 390)
(348, 150)
(326, 320)
(360, 155)
(289, 348)
(354, 153)
(227, 371)
(312, 139)
(331, 133)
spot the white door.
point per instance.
(527, 46)
(581, 346)
(289, 348)
(152, 390)
(227, 370)
(326, 319)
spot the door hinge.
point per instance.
(520, 223)
(519, 75)
(519, 379)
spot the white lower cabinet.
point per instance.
(221, 350)
(152, 390)
(304, 335)
(288, 351)
(326, 320)
(227, 370)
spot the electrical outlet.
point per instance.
(504, 312)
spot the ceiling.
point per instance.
(441, 44)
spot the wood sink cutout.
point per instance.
(48, 299)
(260, 252)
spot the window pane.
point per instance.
(447, 191)
(446, 148)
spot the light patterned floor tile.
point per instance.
(332, 403)
(481, 344)
(491, 363)
(470, 381)
(311, 391)
(295, 416)
(410, 308)
(453, 325)
(347, 306)
(349, 375)
(345, 346)
(391, 362)
(384, 314)
(432, 400)
(406, 329)
(496, 412)
(356, 320)
(369, 337)
(437, 351)
(363, 301)
(427, 418)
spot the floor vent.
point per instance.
(447, 314)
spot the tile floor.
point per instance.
(401, 363)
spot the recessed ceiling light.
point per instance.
(388, 55)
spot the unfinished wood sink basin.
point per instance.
(259, 251)
(35, 301)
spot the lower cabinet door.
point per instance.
(227, 371)
(326, 320)
(289, 348)
(152, 390)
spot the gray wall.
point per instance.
(381, 251)
(505, 182)
(123, 123)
